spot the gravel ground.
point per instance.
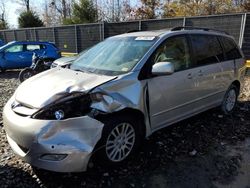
(208, 150)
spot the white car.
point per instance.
(119, 92)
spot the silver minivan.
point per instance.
(119, 92)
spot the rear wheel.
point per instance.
(230, 99)
(25, 74)
(121, 138)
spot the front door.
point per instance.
(172, 97)
(14, 57)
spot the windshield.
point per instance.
(6, 45)
(113, 56)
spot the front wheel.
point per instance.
(120, 139)
(25, 74)
(2, 70)
(230, 100)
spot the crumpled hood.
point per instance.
(44, 88)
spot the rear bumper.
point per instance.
(34, 140)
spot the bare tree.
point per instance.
(113, 10)
(25, 3)
(63, 7)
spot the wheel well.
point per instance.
(132, 112)
(236, 83)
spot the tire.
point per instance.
(25, 74)
(120, 140)
(230, 100)
(2, 70)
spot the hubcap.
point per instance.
(230, 100)
(27, 75)
(120, 142)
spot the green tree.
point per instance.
(29, 19)
(83, 12)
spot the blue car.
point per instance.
(18, 54)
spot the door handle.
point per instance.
(189, 76)
(200, 73)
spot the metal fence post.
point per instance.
(100, 31)
(26, 37)
(14, 31)
(54, 34)
(139, 26)
(35, 35)
(4, 37)
(103, 30)
(76, 37)
(184, 22)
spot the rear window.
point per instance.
(32, 47)
(231, 49)
(207, 49)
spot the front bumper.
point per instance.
(32, 139)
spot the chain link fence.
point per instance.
(75, 38)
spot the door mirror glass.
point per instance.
(163, 68)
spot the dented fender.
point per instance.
(81, 133)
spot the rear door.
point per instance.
(172, 97)
(29, 50)
(208, 54)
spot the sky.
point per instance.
(12, 11)
(12, 8)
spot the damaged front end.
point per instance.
(60, 129)
(58, 137)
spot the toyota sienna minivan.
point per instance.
(119, 92)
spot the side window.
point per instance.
(32, 47)
(15, 48)
(174, 50)
(231, 49)
(207, 49)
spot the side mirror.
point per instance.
(163, 68)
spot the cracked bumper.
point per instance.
(32, 139)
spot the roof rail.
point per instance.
(197, 28)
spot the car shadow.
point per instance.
(15, 177)
(10, 74)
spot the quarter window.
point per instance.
(174, 50)
(207, 49)
(231, 49)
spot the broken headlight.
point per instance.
(74, 107)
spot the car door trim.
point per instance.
(187, 103)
